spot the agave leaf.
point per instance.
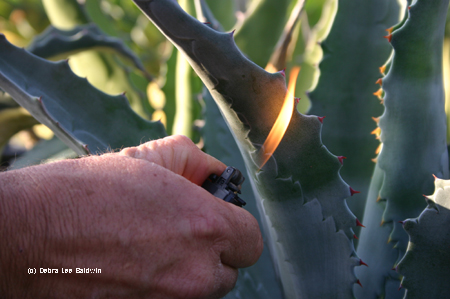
(58, 44)
(352, 53)
(258, 281)
(303, 196)
(425, 266)
(103, 70)
(79, 114)
(414, 118)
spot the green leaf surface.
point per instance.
(413, 136)
(73, 108)
(57, 44)
(352, 54)
(258, 281)
(425, 266)
(302, 194)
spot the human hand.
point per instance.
(139, 216)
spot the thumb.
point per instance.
(180, 155)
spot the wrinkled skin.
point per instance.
(139, 216)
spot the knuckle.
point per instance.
(208, 227)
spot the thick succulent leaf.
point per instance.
(57, 44)
(103, 70)
(302, 194)
(352, 53)
(426, 264)
(413, 136)
(258, 281)
(78, 113)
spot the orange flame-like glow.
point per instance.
(282, 121)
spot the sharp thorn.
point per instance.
(362, 263)
(359, 223)
(400, 287)
(355, 237)
(359, 282)
(320, 118)
(435, 177)
(283, 72)
(232, 32)
(297, 100)
(352, 191)
(341, 159)
(388, 37)
(379, 81)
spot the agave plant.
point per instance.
(376, 58)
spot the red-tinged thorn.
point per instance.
(359, 282)
(352, 192)
(435, 177)
(388, 37)
(341, 159)
(207, 23)
(409, 7)
(395, 268)
(379, 81)
(362, 263)
(297, 100)
(402, 222)
(355, 237)
(400, 287)
(321, 118)
(283, 72)
(359, 223)
(232, 32)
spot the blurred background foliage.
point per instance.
(165, 88)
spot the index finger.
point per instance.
(180, 155)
